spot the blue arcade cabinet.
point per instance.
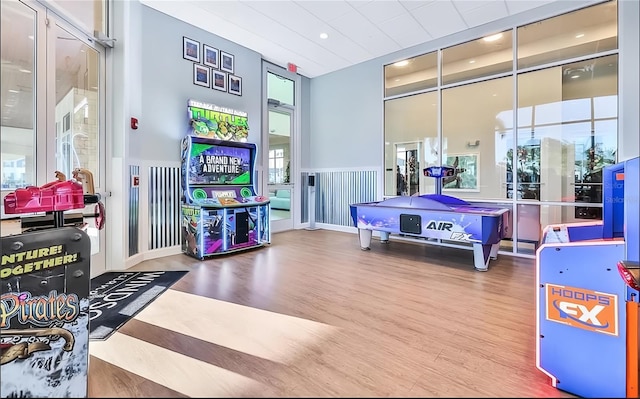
(587, 295)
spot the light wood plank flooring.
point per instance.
(312, 315)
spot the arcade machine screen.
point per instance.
(217, 171)
(219, 165)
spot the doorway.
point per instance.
(280, 138)
(408, 168)
(280, 181)
(54, 77)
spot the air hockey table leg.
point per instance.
(494, 251)
(365, 238)
(384, 237)
(481, 256)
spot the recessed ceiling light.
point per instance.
(472, 61)
(401, 63)
(493, 38)
(323, 35)
(579, 35)
(30, 37)
(397, 80)
(24, 70)
(575, 76)
(13, 91)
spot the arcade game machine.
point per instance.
(435, 216)
(220, 210)
(587, 295)
(44, 286)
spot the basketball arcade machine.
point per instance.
(220, 210)
(587, 295)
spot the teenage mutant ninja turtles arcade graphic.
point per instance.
(215, 122)
(44, 314)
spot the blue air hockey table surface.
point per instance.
(434, 216)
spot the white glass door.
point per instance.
(280, 179)
(78, 109)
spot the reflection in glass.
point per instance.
(17, 161)
(280, 88)
(410, 130)
(77, 106)
(583, 32)
(533, 218)
(568, 134)
(414, 74)
(486, 56)
(477, 128)
(90, 15)
(279, 147)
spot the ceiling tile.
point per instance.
(405, 30)
(355, 26)
(439, 18)
(467, 5)
(379, 11)
(413, 4)
(326, 10)
(515, 7)
(485, 13)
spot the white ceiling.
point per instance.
(286, 31)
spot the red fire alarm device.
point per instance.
(134, 123)
(292, 67)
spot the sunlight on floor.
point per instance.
(261, 333)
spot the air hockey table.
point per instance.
(434, 216)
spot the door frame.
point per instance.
(295, 149)
(283, 224)
(52, 21)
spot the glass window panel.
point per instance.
(533, 218)
(413, 74)
(486, 56)
(605, 107)
(77, 106)
(576, 110)
(18, 155)
(410, 129)
(90, 15)
(280, 88)
(579, 33)
(561, 157)
(480, 144)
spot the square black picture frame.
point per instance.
(235, 85)
(201, 75)
(219, 80)
(227, 62)
(210, 56)
(190, 49)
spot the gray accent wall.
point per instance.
(346, 118)
(167, 85)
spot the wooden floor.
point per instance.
(312, 315)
